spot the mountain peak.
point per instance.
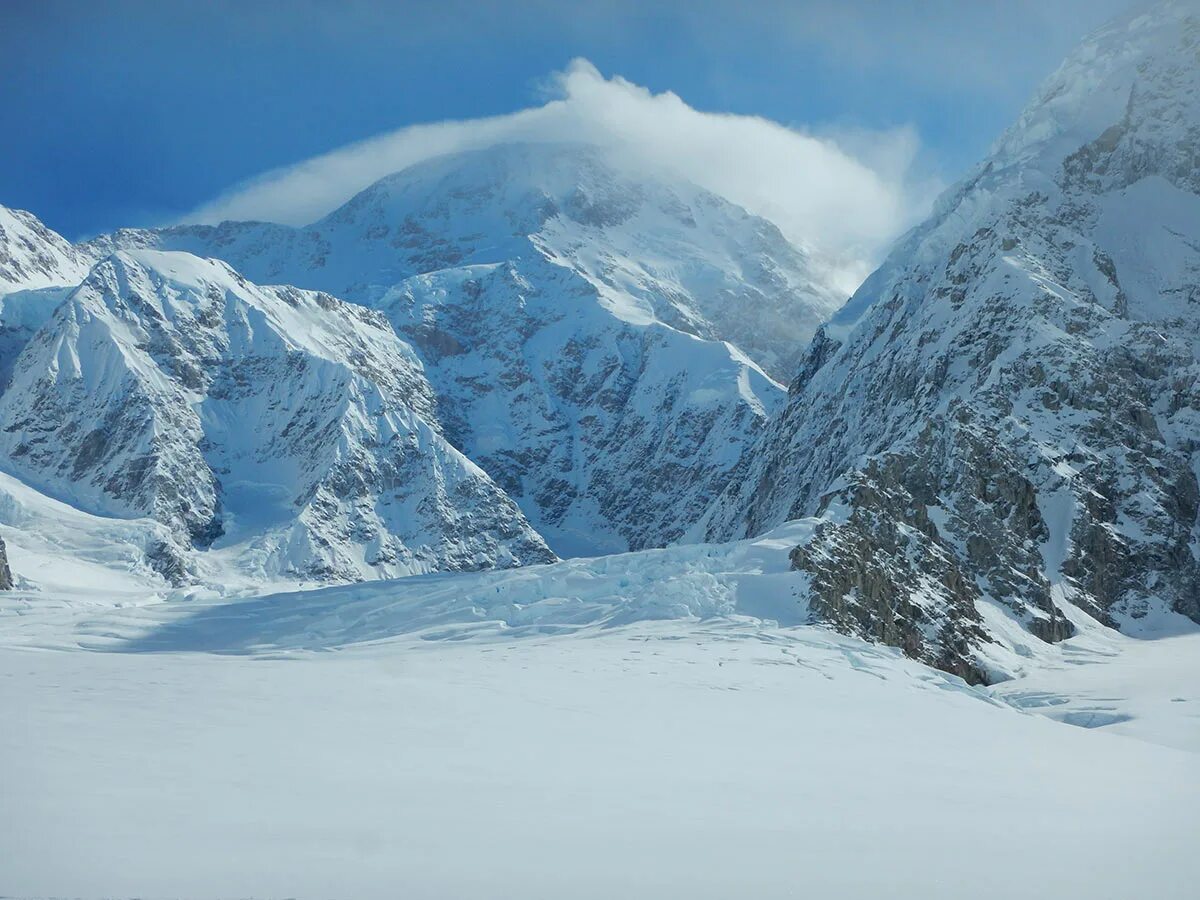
(529, 183)
(1011, 398)
(553, 168)
(33, 256)
(1139, 73)
(655, 247)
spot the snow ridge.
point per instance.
(290, 430)
(1009, 404)
(32, 256)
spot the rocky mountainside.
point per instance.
(37, 266)
(1004, 422)
(32, 256)
(575, 320)
(284, 427)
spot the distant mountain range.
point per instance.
(501, 357)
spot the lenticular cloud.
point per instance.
(847, 204)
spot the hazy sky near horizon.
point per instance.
(133, 112)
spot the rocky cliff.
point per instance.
(6, 577)
(1005, 418)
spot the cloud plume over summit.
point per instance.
(843, 194)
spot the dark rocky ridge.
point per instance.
(6, 576)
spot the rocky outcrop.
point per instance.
(6, 577)
(916, 540)
(1010, 403)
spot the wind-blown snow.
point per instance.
(824, 194)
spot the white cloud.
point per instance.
(843, 194)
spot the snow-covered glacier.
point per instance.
(280, 608)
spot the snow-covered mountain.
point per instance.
(575, 319)
(32, 256)
(37, 266)
(290, 430)
(653, 246)
(1006, 416)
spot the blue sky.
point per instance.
(134, 113)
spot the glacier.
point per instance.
(534, 524)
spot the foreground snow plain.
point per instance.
(645, 725)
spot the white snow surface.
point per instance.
(60, 555)
(630, 726)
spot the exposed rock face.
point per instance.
(6, 578)
(572, 318)
(611, 436)
(1007, 413)
(284, 425)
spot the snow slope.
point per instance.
(638, 725)
(289, 431)
(1146, 689)
(748, 580)
(574, 318)
(37, 267)
(704, 760)
(32, 256)
(1005, 416)
(61, 555)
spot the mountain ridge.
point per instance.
(565, 311)
(1005, 413)
(170, 387)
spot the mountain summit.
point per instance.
(1004, 418)
(600, 342)
(656, 247)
